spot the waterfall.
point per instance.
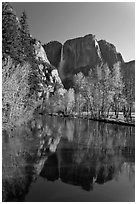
(98, 49)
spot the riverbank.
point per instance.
(106, 120)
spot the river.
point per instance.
(57, 159)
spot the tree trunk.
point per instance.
(108, 112)
(130, 113)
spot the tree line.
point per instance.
(98, 94)
(19, 68)
(16, 39)
(101, 92)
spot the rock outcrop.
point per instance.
(49, 79)
(80, 55)
(28, 78)
(40, 52)
(53, 51)
(54, 65)
(109, 53)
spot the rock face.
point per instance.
(53, 51)
(40, 52)
(109, 53)
(49, 79)
(120, 58)
(25, 85)
(76, 55)
(128, 71)
(80, 55)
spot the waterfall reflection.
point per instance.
(90, 152)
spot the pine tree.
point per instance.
(28, 52)
(11, 44)
(26, 40)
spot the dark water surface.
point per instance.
(56, 159)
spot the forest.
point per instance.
(101, 94)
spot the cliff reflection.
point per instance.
(78, 152)
(24, 152)
(91, 152)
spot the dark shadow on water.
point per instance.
(50, 170)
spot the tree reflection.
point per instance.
(94, 153)
(76, 151)
(24, 152)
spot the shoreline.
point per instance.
(106, 120)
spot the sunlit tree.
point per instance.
(118, 86)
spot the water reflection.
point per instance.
(76, 152)
(92, 153)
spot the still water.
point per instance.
(57, 159)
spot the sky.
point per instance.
(110, 21)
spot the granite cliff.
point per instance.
(53, 51)
(25, 86)
(27, 75)
(45, 70)
(80, 55)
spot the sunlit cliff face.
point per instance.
(48, 74)
(40, 52)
